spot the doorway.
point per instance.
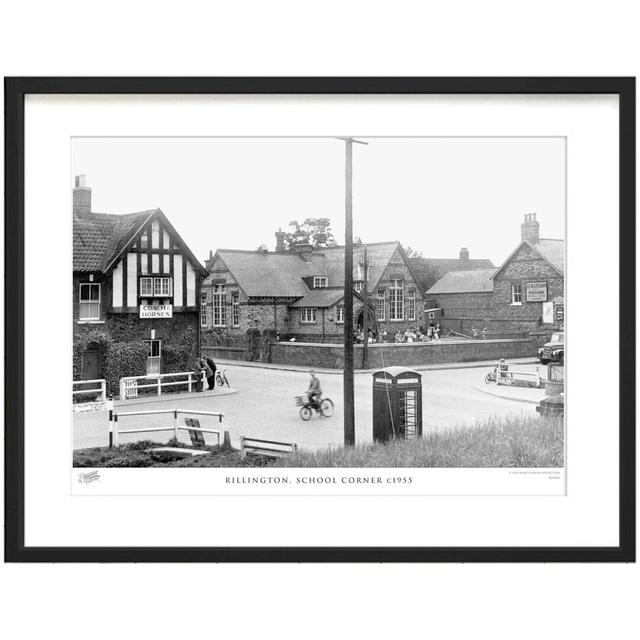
(154, 357)
(371, 321)
(91, 361)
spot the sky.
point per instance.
(435, 195)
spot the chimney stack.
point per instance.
(304, 249)
(530, 229)
(280, 234)
(81, 197)
(464, 254)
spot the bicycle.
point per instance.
(325, 408)
(221, 378)
(492, 376)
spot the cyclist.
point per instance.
(501, 365)
(314, 392)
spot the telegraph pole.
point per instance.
(349, 400)
(365, 313)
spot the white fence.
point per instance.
(505, 377)
(100, 389)
(129, 386)
(115, 432)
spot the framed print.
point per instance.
(320, 319)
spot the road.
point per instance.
(264, 407)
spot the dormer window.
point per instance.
(320, 281)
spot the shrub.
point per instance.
(80, 343)
(124, 359)
(176, 358)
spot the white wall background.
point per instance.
(329, 38)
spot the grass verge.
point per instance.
(498, 443)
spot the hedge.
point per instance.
(124, 359)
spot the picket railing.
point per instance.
(130, 386)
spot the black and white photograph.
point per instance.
(322, 302)
(371, 320)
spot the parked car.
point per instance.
(553, 351)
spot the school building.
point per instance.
(299, 293)
(524, 294)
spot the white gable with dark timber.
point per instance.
(155, 268)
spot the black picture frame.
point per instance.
(15, 91)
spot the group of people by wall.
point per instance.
(420, 334)
(411, 334)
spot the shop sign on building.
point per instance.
(536, 291)
(156, 310)
(547, 312)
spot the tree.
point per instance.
(426, 274)
(413, 253)
(315, 231)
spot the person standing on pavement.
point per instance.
(197, 370)
(208, 374)
(211, 379)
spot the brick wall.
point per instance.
(252, 314)
(225, 353)
(81, 201)
(397, 268)
(495, 311)
(416, 354)
(286, 320)
(525, 266)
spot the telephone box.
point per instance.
(397, 404)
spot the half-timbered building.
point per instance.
(135, 282)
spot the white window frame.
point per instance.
(358, 285)
(340, 314)
(396, 301)
(203, 309)
(89, 303)
(516, 295)
(308, 315)
(380, 305)
(235, 308)
(146, 287)
(163, 287)
(219, 305)
(320, 282)
(411, 304)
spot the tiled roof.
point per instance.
(320, 298)
(455, 264)
(378, 256)
(475, 281)
(98, 237)
(552, 250)
(268, 274)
